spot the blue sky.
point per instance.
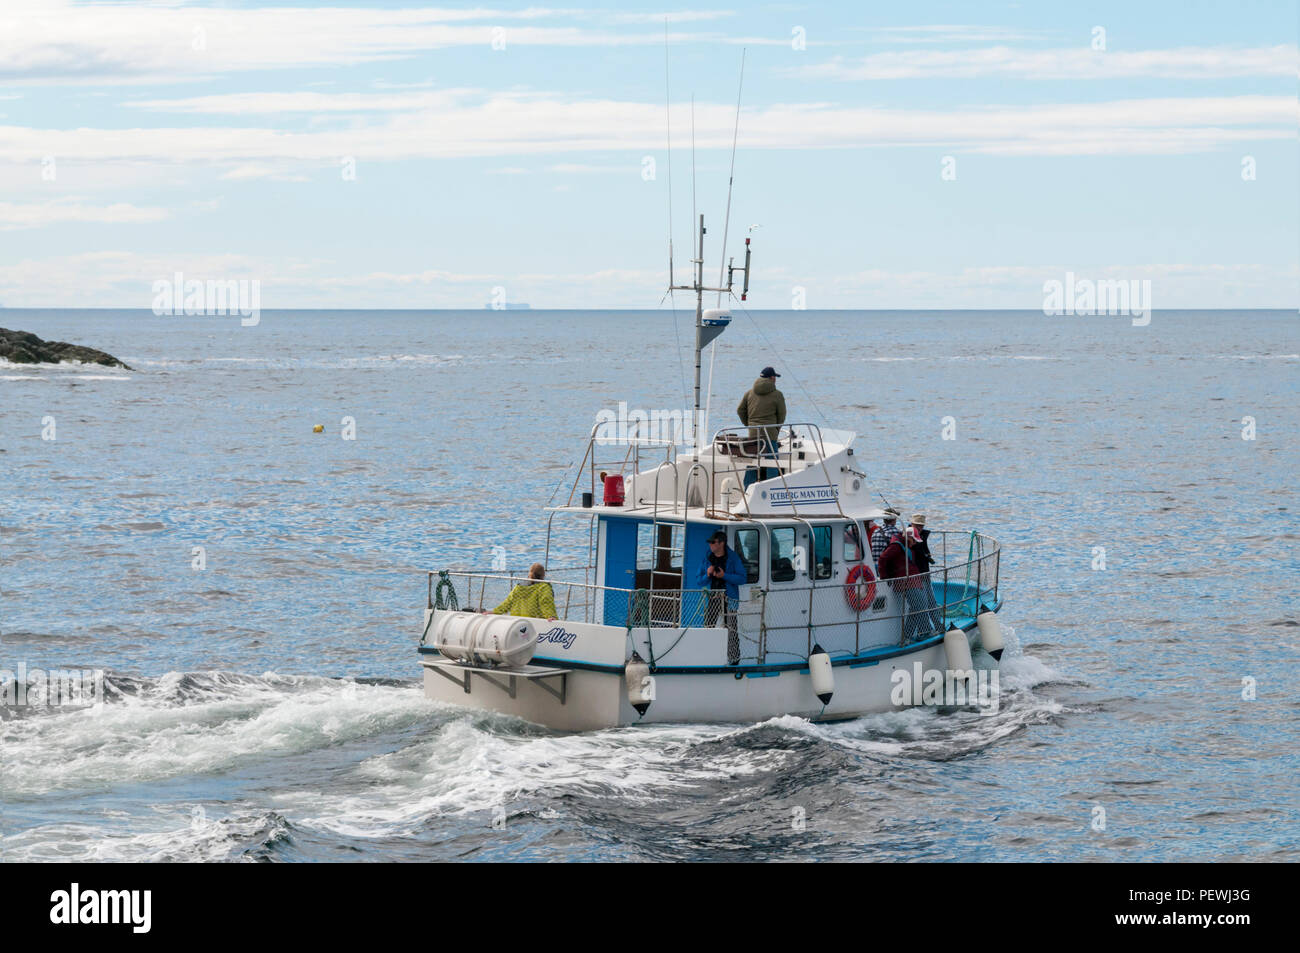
(504, 146)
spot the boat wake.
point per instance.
(215, 766)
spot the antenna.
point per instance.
(693, 167)
(668, 125)
(731, 180)
(705, 333)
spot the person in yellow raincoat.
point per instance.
(534, 599)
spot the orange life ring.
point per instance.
(854, 594)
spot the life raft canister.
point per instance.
(860, 587)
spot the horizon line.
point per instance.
(525, 311)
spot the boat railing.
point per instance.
(638, 439)
(851, 620)
(755, 447)
(735, 450)
(775, 624)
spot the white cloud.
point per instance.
(578, 168)
(1068, 63)
(517, 124)
(53, 41)
(273, 103)
(385, 84)
(1021, 286)
(62, 211)
(249, 171)
(113, 180)
(680, 16)
(124, 279)
(951, 33)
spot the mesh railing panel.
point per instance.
(782, 624)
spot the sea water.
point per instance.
(251, 591)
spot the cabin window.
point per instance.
(673, 539)
(658, 556)
(666, 555)
(746, 546)
(821, 554)
(852, 544)
(783, 554)
(645, 553)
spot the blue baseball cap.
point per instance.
(768, 372)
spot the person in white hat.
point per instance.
(918, 540)
(918, 536)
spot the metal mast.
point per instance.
(705, 335)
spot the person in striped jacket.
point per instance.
(883, 533)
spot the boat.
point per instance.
(639, 637)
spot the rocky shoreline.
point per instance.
(21, 347)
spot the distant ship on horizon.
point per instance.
(508, 306)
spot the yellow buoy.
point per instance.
(319, 428)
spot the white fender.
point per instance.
(640, 683)
(990, 633)
(823, 677)
(957, 647)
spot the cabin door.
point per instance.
(619, 555)
(788, 636)
(695, 596)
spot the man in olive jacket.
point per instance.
(761, 407)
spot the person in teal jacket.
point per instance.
(722, 572)
(534, 599)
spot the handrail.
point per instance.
(634, 442)
(995, 550)
(686, 496)
(770, 612)
(514, 579)
(791, 433)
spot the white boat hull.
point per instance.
(585, 700)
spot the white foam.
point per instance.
(471, 766)
(67, 367)
(462, 763)
(153, 735)
(986, 358)
(347, 363)
(188, 834)
(1256, 357)
(1025, 672)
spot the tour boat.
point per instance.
(639, 638)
